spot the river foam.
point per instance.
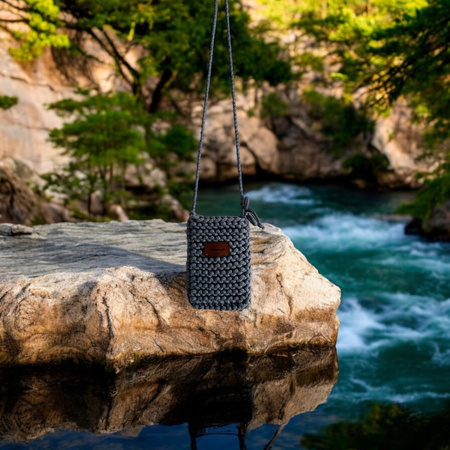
(395, 314)
(283, 193)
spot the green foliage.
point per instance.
(388, 427)
(417, 51)
(179, 140)
(103, 138)
(178, 44)
(310, 61)
(7, 102)
(435, 191)
(174, 33)
(43, 27)
(339, 119)
(273, 106)
(393, 49)
(366, 167)
(70, 182)
(172, 151)
(182, 190)
(280, 13)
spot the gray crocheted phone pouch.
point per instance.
(218, 262)
(218, 269)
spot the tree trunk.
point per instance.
(158, 92)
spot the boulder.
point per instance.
(398, 137)
(436, 228)
(19, 203)
(206, 391)
(115, 292)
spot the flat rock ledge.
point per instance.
(114, 293)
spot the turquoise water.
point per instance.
(394, 341)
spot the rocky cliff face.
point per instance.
(398, 138)
(19, 203)
(291, 149)
(25, 127)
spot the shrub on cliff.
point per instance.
(7, 101)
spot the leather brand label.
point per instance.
(217, 249)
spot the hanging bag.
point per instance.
(218, 269)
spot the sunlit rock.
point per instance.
(115, 293)
(436, 228)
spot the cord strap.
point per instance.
(245, 210)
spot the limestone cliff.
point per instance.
(294, 150)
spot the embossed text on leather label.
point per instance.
(217, 249)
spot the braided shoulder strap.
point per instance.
(245, 210)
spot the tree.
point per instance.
(411, 59)
(172, 35)
(103, 139)
(418, 51)
(387, 51)
(34, 24)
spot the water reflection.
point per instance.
(203, 392)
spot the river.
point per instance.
(394, 339)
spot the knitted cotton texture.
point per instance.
(219, 282)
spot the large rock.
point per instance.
(291, 149)
(19, 203)
(292, 146)
(219, 161)
(398, 137)
(24, 128)
(436, 228)
(115, 292)
(204, 392)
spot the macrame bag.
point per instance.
(218, 269)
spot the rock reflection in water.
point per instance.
(203, 392)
